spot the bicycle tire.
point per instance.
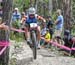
(34, 45)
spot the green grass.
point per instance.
(18, 36)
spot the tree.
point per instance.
(67, 13)
(55, 5)
(50, 7)
(4, 35)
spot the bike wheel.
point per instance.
(34, 45)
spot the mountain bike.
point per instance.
(33, 37)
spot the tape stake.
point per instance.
(3, 49)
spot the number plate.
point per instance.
(33, 25)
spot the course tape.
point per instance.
(4, 43)
(18, 30)
(59, 45)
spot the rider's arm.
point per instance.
(41, 18)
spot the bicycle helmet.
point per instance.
(32, 11)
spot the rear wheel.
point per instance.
(34, 45)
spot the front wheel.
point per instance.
(34, 44)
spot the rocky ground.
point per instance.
(21, 54)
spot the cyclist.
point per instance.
(32, 17)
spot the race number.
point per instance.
(33, 25)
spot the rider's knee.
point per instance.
(38, 28)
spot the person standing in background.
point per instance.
(16, 15)
(59, 23)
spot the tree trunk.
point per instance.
(4, 35)
(36, 4)
(31, 3)
(50, 6)
(55, 5)
(67, 13)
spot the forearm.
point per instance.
(56, 21)
(1, 27)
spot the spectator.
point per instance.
(43, 31)
(16, 15)
(50, 25)
(58, 26)
(68, 40)
(47, 37)
(59, 23)
(23, 17)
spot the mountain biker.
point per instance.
(32, 17)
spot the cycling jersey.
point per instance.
(31, 20)
(36, 17)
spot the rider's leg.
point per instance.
(38, 36)
(38, 33)
(27, 33)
